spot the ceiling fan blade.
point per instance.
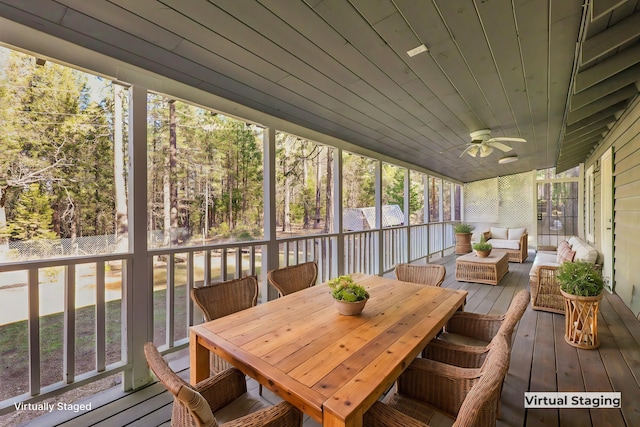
(507, 139)
(455, 147)
(466, 150)
(500, 146)
(485, 150)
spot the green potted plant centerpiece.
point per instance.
(482, 248)
(581, 286)
(463, 237)
(349, 297)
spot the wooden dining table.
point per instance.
(332, 367)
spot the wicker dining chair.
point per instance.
(224, 298)
(288, 280)
(196, 405)
(466, 336)
(430, 391)
(425, 274)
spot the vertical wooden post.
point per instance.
(69, 323)
(270, 250)
(381, 249)
(338, 253)
(407, 214)
(137, 301)
(34, 332)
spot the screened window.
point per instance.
(457, 202)
(557, 200)
(204, 175)
(446, 201)
(62, 160)
(392, 195)
(358, 192)
(304, 180)
(434, 199)
(416, 197)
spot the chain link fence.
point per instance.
(35, 249)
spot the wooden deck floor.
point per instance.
(541, 361)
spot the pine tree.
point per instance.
(33, 216)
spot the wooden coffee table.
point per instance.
(489, 270)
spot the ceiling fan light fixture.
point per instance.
(485, 150)
(473, 151)
(508, 159)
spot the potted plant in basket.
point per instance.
(349, 297)
(482, 248)
(581, 286)
(463, 237)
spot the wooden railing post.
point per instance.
(137, 300)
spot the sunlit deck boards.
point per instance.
(541, 361)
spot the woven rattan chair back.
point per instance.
(195, 406)
(429, 274)
(224, 298)
(471, 398)
(480, 406)
(484, 327)
(514, 313)
(190, 408)
(291, 279)
(221, 299)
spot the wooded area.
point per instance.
(64, 167)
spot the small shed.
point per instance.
(359, 219)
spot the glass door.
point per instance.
(557, 212)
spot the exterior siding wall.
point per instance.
(625, 140)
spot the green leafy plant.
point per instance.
(580, 278)
(463, 228)
(482, 245)
(345, 289)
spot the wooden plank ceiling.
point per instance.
(557, 73)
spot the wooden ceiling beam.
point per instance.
(603, 124)
(569, 158)
(599, 8)
(606, 87)
(578, 145)
(611, 38)
(600, 115)
(602, 130)
(602, 103)
(607, 68)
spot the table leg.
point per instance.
(331, 419)
(198, 360)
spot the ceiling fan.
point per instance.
(483, 143)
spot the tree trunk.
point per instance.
(166, 190)
(305, 200)
(316, 222)
(173, 184)
(328, 224)
(230, 192)
(73, 231)
(4, 242)
(122, 222)
(286, 220)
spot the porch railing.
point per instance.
(55, 342)
(175, 271)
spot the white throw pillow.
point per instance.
(499, 233)
(516, 233)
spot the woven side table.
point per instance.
(489, 270)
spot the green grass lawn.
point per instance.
(14, 337)
(14, 342)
